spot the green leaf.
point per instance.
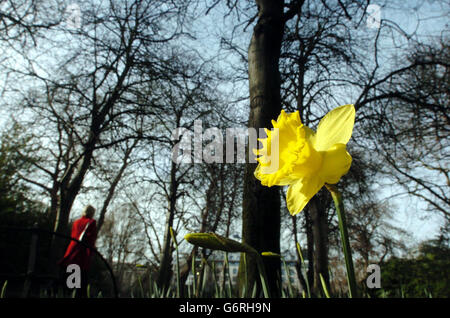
(270, 254)
(216, 242)
(324, 286)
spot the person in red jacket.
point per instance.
(84, 229)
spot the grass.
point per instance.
(217, 289)
(2, 294)
(200, 289)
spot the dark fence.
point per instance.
(30, 274)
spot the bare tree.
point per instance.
(95, 84)
(21, 20)
(409, 125)
(121, 243)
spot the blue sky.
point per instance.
(430, 19)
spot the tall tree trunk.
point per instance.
(69, 190)
(298, 265)
(165, 267)
(310, 248)
(261, 205)
(320, 230)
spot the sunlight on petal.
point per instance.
(336, 163)
(301, 192)
(335, 128)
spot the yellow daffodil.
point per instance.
(306, 159)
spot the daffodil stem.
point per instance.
(337, 198)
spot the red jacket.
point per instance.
(77, 253)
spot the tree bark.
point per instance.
(310, 248)
(320, 231)
(261, 205)
(165, 267)
(299, 264)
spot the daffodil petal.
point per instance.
(336, 163)
(299, 193)
(310, 135)
(335, 128)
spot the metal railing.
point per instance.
(33, 248)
